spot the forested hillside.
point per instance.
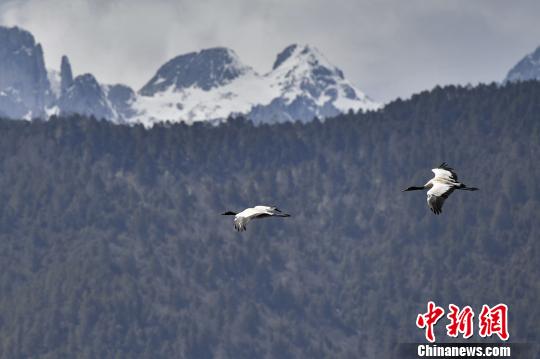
(112, 246)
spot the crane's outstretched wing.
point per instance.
(437, 195)
(445, 172)
(435, 203)
(240, 223)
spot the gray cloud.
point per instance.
(388, 48)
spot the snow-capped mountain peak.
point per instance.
(205, 69)
(213, 84)
(311, 86)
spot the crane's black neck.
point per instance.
(229, 213)
(414, 189)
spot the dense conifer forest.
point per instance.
(112, 244)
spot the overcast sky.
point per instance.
(387, 48)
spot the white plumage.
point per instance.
(441, 186)
(243, 218)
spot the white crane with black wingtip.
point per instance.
(441, 186)
(242, 219)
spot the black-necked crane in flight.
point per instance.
(242, 219)
(441, 186)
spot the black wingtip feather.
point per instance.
(445, 166)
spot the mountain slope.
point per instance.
(85, 96)
(24, 86)
(527, 68)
